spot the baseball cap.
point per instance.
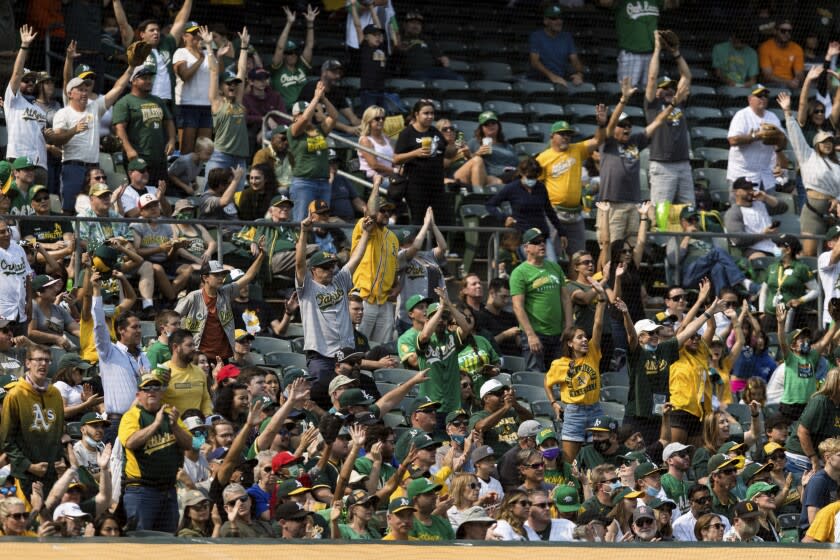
(638, 456)
(282, 199)
(832, 233)
(643, 512)
(331, 65)
(241, 334)
(759, 89)
(623, 117)
(384, 203)
(339, 381)
(532, 234)
(332, 155)
(43, 281)
(760, 487)
(258, 74)
(143, 70)
(291, 488)
(645, 326)
(194, 423)
(34, 190)
(561, 126)
(455, 414)
(320, 258)
(528, 428)
(487, 116)
(647, 469)
(805, 331)
(231, 77)
(688, 212)
(183, 204)
(753, 469)
(23, 162)
(603, 424)
(72, 359)
(416, 300)
(290, 510)
(743, 183)
(481, 453)
(665, 82)
(746, 510)
(228, 371)
(432, 309)
(565, 498)
(545, 434)
(84, 71)
(422, 403)
(191, 26)
(282, 459)
(628, 493)
(138, 164)
(194, 497)
(656, 503)
(299, 107)
(68, 509)
(290, 47)
(400, 504)
(772, 447)
(720, 461)
(731, 447)
(74, 83)
(354, 397)
(403, 234)
(319, 207)
(265, 402)
(99, 189)
(421, 486)
(371, 29)
(553, 11)
(358, 497)
(348, 354)
(821, 136)
(147, 200)
(94, 418)
(413, 15)
(475, 514)
(788, 240)
(489, 386)
(423, 441)
(217, 454)
(674, 447)
(105, 258)
(292, 373)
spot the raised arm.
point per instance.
(242, 66)
(392, 399)
(653, 68)
(627, 91)
(598, 325)
(300, 250)
(357, 23)
(705, 286)
(800, 146)
(119, 86)
(27, 35)
(600, 132)
(298, 395)
(67, 71)
(679, 97)
(280, 47)
(632, 339)
(802, 115)
(212, 64)
(126, 31)
(645, 211)
(694, 326)
(305, 118)
(309, 42)
(181, 19)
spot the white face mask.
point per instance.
(529, 182)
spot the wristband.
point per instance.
(707, 315)
(24, 48)
(645, 219)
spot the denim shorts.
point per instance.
(578, 417)
(194, 116)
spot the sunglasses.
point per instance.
(679, 297)
(627, 251)
(473, 486)
(268, 470)
(609, 481)
(542, 505)
(28, 80)
(764, 95)
(535, 466)
(683, 454)
(644, 522)
(241, 499)
(380, 119)
(537, 242)
(625, 125)
(202, 505)
(703, 500)
(460, 423)
(523, 503)
(715, 526)
(40, 199)
(465, 385)
(19, 516)
(99, 177)
(730, 470)
(366, 505)
(448, 129)
(820, 111)
(629, 462)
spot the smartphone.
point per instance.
(775, 224)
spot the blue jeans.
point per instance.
(154, 509)
(578, 417)
(322, 367)
(550, 352)
(717, 265)
(302, 191)
(72, 180)
(226, 161)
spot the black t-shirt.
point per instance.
(423, 172)
(258, 308)
(335, 94)
(494, 324)
(46, 232)
(374, 67)
(418, 54)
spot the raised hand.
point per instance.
(781, 313)
(783, 99)
(254, 419)
(298, 392)
(311, 13)
(27, 35)
(620, 269)
(71, 50)
(814, 73)
(601, 114)
(244, 38)
(320, 91)
(290, 15)
(205, 35)
(627, 89)
(104, 457)
(644, 208)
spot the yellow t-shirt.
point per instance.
(377, 271)
(187, 389)
(561, 174)
(579, 380)
(87, 349)
(390, 537)
(689, 383)
(823, 528)
(724, 391)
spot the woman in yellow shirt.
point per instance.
(722, 364)
(577, 375)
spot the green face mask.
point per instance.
(184, 216)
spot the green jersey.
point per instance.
(542, 287)
(158, 353)
(310, 154)
(144, 119)
(407, 344)
(588, 458)
(648, 371)
(502, 436)
(440, 355)
(677, 490)
(231, 131)
(800, 377)
(438, 530)
(822, 418)
(288, 83)
(635, 22)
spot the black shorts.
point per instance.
(686, 421)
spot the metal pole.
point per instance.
(77, 268)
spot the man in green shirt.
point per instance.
(144, 124)
(676, 457)
(604, 447)
(439, 343)
(427, 526)
(407, 343)
(541, 303)
(499, 420)
(166, 323)
(423, 419)
(722, 479)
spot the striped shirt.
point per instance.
(120, 371)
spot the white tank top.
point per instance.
(383, 149)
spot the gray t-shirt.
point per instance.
(620, 168)
(670, 142)
(210, 206)
(323, 311)
(57, 322)
(152, 236)
(185, 169)
(418, 276)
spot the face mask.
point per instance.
(650, 347)
(198, 441)
(93, 443)
(551, 453)
(294, 471)
(805, 347)
(614, 486)
(458, 439)
(529, 182)
(601, 446)
(651, 491)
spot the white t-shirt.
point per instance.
(85, 145)
(776, 385)
(352, 40)
(197, 90)
(25, 123)
(506, 533)
(561, 530)
(684, 527)
(829, 274)
(131, 197)
(756, 220)
(162, 86)
(15, 269)
(754, 161)
(491, 485)
(71, 395)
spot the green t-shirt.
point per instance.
(635, 22)
(735, 64)
(364, 465)
(502, 436)
(648, 372)
(700, 462)
(791, 278)
(562, 476)
(231, 131)
(347, 532)
(144, 120)
(439, 530)
(158, 353)
(541, 286)
(440, 355)
(288, 83)
(407, 344)
(677, 490)
(589, 458)
(800, 377)
(310, 154)
(472, 359)
(719, 507)
(822, 418)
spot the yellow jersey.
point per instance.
(561, 173)
(689, 382)
(579, 380)
(377, 271)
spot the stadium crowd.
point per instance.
(150, 387)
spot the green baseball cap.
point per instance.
(603, 424)
(487, 116)
(400, 504)
(320, 258)
(354, 397)
(561, 126)
(647, 469)
(416, 300)
(94, 418)
(760, 487)
(752, 470)
(23, 162)
(456, 414)
(72, 359)
(832, 233)
(84, 71)
(423, 441)
(34, 190)
(432, 309)
(291, 488)
(719, 461)
(266, 403)
(532, 234)
(553, 11)
(421, 486)
(138, 164)
(566, 499)
(546, 433)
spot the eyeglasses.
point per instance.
(702, 500)
(19, 516)
(536, 242)
(764, 95)
(152, 388)
(241, 499)
(542, 505)
(535, 466)
(495, 394)
(728, 471)
(678, 297)
(644, 522)
(380, 119)
(715, 526)
(523, 503)
(448, 129)
(586, 262)
(41, 199)
(28, 80)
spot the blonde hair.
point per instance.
(458, 489)
(6, 505)
(829, 446)
(506, 510)
(203, 143)
(831, 385)
(368, 116)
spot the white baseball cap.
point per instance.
(646, 325)
(672, 448)
(490, 386)
(146, 199)
(74, 83)
(68, 509)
